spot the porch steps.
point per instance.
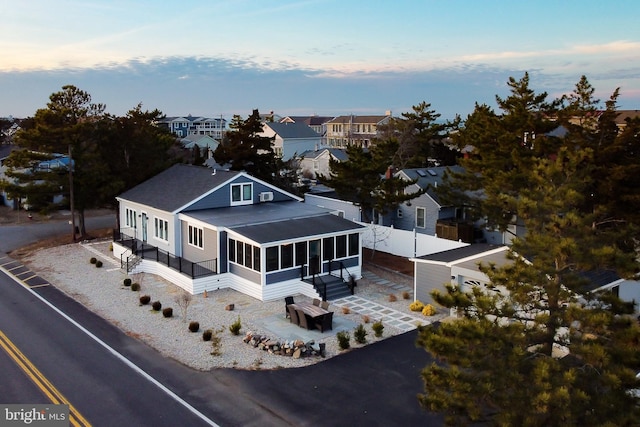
(336, 287)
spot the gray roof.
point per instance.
(293, 130)
(338, 153)
(453, 255)
(177, 186)
(429, 178)
(257, 213)
(275, 221)
(5, 150)
(297, 228)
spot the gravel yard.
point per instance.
(101, 289)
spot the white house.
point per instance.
(206, 229)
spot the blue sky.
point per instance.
(323, 57)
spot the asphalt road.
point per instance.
(373, 386)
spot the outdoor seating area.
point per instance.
(315, 315)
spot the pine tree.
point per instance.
(367, 179)
(245, 150)
(503, 361)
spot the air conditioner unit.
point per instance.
(266, 196)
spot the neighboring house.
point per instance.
(426, 213)
(190, 125)
(205, 142)
(325, 197)
(458, 267)
(290, 139)
(59, 162)
(317, 161)
(317, 123)
(205, 229)
(358, 130)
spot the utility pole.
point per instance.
(71, 205)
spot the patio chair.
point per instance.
(303, 321)
(287, 301)
(316, 302)
(293, 316)
(325, 305)
(325, 322)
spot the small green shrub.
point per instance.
(194, 326)
(360, 334)
(93, 260)
(167, 312)
(235, 327)
(343, 340)
(156, 305)
(377, 327)
(98, 264)
(206, 335)
(144, 299)
(135, 287)
(126, 282)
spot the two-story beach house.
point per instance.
(205, 229)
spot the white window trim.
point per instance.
(424, 217)
(161, 229)
(195, 236)
(241, 201)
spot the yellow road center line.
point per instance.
(40, 380)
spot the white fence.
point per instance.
(404, 243)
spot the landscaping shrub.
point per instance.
(156, 305)
(98, 263)
(416, 306)
(392, 298)
(206, 335)
(377, 327)
(343, 340)
(135, 287)
(406, 295)
(126, 282)
(346, 310)
(366, 318)
(428, 310)
(360, 334)
(167, 312)
(195, 327)
(235, 327)
(144, 299)
(92, 260)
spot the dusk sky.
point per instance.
(325, 57)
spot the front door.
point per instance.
(144, 227)
(314, 257)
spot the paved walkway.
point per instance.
(403, 321)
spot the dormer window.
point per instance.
(241, 194)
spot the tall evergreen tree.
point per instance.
(502, 357)
(366, 179)
(421, 139)
(66, 126)
(245, 150)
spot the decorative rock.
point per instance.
(297, 354)
(230, 307)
